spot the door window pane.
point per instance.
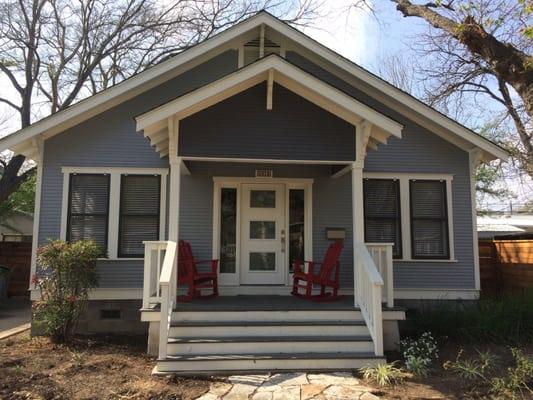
(262, 229)
(263, 198)
(228, 230)
(296, 226)
(262, 261)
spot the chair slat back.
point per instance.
(186, 266)
(330, 259)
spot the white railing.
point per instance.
(381, 253)
(367, 294)
(154, 254)
(168, 284)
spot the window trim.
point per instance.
(119, 253)
(444, 219)
(69, 206)
(398, 218)
(404, 178)
(114, 202)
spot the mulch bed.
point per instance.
(112, 368)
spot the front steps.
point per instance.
(228, 341)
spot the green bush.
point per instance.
(507, 319)
(419, 354)
(67, 272)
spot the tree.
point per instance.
(56, 52)
(482, 47)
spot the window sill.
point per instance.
(420, 260)
(120, 259)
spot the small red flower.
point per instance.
(34, 280)
(72, 299)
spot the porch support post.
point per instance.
(362, 135)
(174, 198)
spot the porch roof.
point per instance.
(374, 125)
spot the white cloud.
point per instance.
(346, 30)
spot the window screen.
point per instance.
(382, 213)
(429, 219)
(139, 213)
(88, 208)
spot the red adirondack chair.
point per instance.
(328, 276)
(189, 275)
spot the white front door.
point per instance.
(263, 236)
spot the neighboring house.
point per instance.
(16, 227)
(252, 145)
(509, 225)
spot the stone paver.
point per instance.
(290, 386)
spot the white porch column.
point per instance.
(358, 230)
(174, 197)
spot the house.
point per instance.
(259, 146)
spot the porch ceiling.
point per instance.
(374, 128)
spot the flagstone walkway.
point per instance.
(290, 386)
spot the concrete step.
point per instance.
(220, 329)
(230, 363)
(269, 344)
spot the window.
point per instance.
(382, 213)
(228, 230)
(296, 226)
(429, 219)
(139, 213)
(88, 208)
(251, 50)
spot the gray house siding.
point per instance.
(419, 151)
(242, 127)
(111, 140)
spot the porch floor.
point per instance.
(263, 303)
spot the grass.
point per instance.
(507, 319)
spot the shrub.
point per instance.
(518, 382)
(507, 319)
(67, 272)
(472, 369)
(419, 354)
(382, 374)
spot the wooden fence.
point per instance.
(17, 257)
(505, 265)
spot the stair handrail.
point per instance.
(168, 284)
(368, 285)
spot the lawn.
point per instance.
(112, 368)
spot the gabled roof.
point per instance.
(85, 109)
(272, 68)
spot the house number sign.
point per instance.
(264, 173)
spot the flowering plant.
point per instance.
(67, 272)
(419, 354)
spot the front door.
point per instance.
(263, 234)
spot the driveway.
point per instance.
(15, 313)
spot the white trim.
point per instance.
(266, 160)
(404, 179)
(219, 182)
(287, 75)
(115, 174)
(436, 294)
(104, 293)
(114, 170)
(36, 210)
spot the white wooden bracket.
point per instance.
(362, 137)
(270, 88)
